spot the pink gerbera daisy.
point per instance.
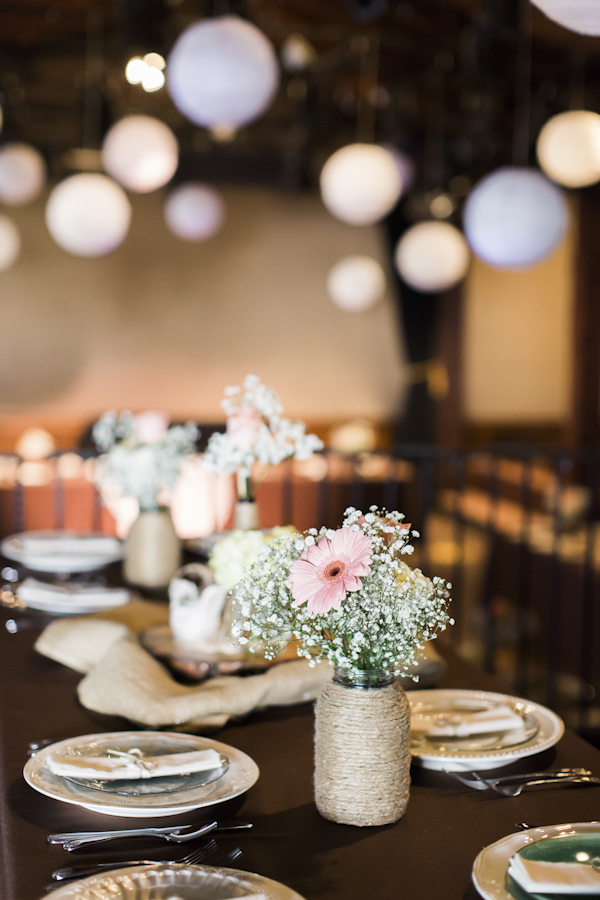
(327, 571)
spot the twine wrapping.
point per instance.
(362, 754)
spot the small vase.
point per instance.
(152, 550)
(362, 749)
(246, 509)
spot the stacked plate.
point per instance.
(568, 854)
(143, 797)
(62, 551)
(70, 598)
(462, 730)
(168, 881)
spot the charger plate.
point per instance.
(141, 798)
(162, 882)
(13, 547)
(542, 728)
(490, 870)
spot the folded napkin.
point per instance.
(131, 765)
(33, 590)
(535, 876)
(463, 724)
(71, 544)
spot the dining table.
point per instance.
(427, 855)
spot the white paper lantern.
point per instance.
(141, 153)
(360, 183)
(222, 73)
(10, 242)
(568, 148)
(88, 214)
(432, 256)
(514, 218)
(194, 212)
(22, 173)
(582, 16)
(356, 283)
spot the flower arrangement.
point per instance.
(239, 549)
(142, 456)
(346, 596)
(256, 432)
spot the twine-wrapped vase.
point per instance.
(152, 549)
(362, 749)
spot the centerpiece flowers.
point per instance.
(256, 433)
(141, 458)
(349, 598)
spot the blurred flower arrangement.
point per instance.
(142, 456)
(346, 596)
(256, 432)
(232, 555)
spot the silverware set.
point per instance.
(513, 785)
(201, 854)
(175, 834)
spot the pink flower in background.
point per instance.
(243, 427)
(150, 427)
(326, 572)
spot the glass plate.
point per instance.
(240, 775)
(140, 787)
(438, 708)
(563, 849)
(490, 870)
(166, 881)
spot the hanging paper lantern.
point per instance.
(22, 173)
(360, 183)
(514, 218)
(194, 212)
(88, 214)
(568, 148)
(222, 73)
(141, 153)
(10, 242)
(582, 16)
(432, 256)
(356, 283)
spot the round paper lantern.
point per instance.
(568, 148)
(22, 173)
(514, 218)
(10, 242)
(432, 256)
(356, 283)
(360, 183)
(582, 16)
(141, 153)
(88, 214)
(194, 212)
(222, 73)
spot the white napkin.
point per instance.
(70, 544)
(81, 594)
(463, 724)
(132, 765)
(554, 878)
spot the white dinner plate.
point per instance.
(542, 728)
(148, 797)
(169, 880)
(59, 560)
(491, 866)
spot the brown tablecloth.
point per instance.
(428, 855)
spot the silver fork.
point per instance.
(190, 859)
(513, 790)
(478, 783)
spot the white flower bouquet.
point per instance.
(232, 555)
(142, 456)
(346, 596)
(256, 432)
